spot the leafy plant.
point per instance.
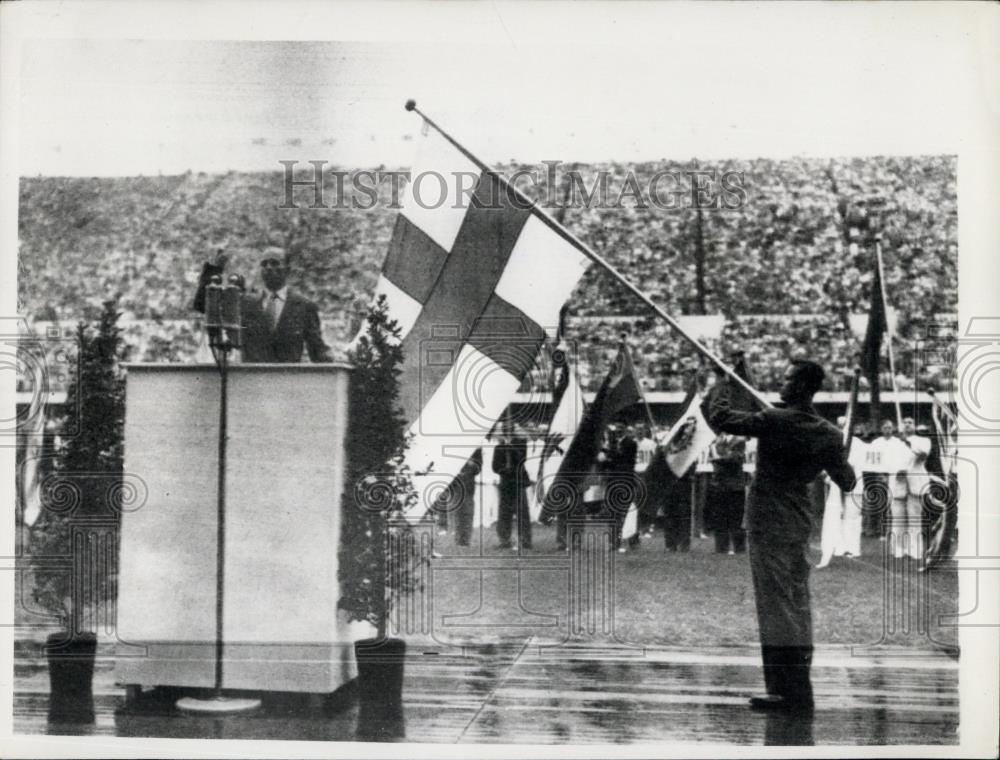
(88, 471)
(379, 485)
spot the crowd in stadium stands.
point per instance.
(787, 251)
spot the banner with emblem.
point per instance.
(689, 436)
(677, 449)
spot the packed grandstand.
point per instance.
(784, 271)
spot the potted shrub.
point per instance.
(78, 507)
(378, 489)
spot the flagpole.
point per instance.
(888, 327)
(649, 413)
(852, 403)
(941, 406)
(586, 250)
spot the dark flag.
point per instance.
(618, 392)
(872, 349)
(567, 400)
(740, 397)
(943, 494)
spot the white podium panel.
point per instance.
(284, 477)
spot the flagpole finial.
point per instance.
(411, 104)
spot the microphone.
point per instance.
(231, 316)
(213, 303)
(213, 311)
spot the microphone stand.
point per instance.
(223, 321)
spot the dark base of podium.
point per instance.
(315, 668)
(162, 701)
(380, 689)
(71, 675)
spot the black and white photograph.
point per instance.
(610, 379)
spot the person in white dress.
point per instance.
(536, 445)
(841, 535)
(646, 449)
(487, 490)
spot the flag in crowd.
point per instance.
(690, 435)
(567, 398)
(877, 327)
(32, 432)
(660, 477)
(941, 464)
(618, 392)
(630, 526)
(475, 281)
(740, 397)
(946, 439)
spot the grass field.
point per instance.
(694, 599)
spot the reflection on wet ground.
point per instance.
(519, 691)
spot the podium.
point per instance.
(285, 466)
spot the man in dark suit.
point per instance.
(794, 445)
(726, 493)
(620, 485)
(677, 511)
(278, 324)
(508, 462)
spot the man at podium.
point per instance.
(278, 323)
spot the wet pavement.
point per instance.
(522, 691)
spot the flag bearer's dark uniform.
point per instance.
(795, 445)
(508, 462)
(620, 485)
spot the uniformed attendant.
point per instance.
(794, 445)
(508, 462)
(727, 493)
(645, 449)
(889, 458)
(621, 485)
